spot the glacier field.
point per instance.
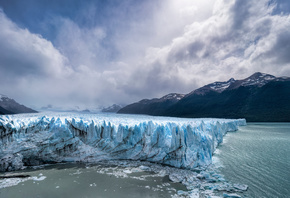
(36, 139)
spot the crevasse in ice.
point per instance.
(184, 143)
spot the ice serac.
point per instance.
(182, 143)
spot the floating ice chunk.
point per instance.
(11, 182)
(181, 192)
(176, 178)
(127, 171)
(39, 178)
(15, 181)
(233, 195)
(241, 187)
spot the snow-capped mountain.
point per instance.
(10, 106)
(216, 86)
(260, 97)
(172, 96)
(257, 79)
(113, 108)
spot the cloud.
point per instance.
(25, 54)
(76, 72)
(104, 55)
(238, 39)
(82, 46)
(28, 62)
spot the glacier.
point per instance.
(36, 139)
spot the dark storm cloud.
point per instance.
(186, 52)
(281, 49)
(240, 14)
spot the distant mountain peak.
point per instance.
(260, 75)
(113, 108)
(3, 96)
(258, 78)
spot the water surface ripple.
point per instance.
(258, 155)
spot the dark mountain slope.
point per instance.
(4, 111)
(268, 103)
(10, 106)
(154, 106)
(260, 97)
(212, 104)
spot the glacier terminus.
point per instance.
(28, 140)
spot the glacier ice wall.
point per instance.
(184, 143)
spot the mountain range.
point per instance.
(260, 97)
(10, 106)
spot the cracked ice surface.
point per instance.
(35, 139)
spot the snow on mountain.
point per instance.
(183, 143)
(216, 86)
(172, 96)
(3, 98)
(257, 79)
(221, 86)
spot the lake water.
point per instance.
(89, 181)
(257, 155)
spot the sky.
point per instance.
(87, 54)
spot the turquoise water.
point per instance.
(258, 155)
